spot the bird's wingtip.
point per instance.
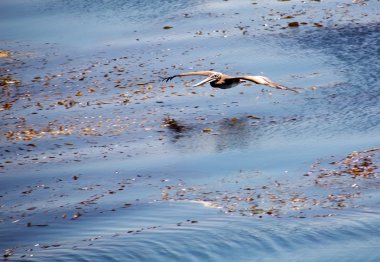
(294, 90)
(166, 79)
(286, 88)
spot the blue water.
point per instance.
(238, 182)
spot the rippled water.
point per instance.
(90, 171)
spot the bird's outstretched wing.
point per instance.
(199, 73)
(262, 80)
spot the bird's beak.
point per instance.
(207, 80)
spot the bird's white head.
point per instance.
(214, 77)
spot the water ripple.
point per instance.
(222, 238)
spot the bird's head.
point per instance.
(212, 78)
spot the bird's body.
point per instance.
(219, 80)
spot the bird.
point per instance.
(220, 80)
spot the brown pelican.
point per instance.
(219, 80)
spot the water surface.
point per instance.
(91, 170)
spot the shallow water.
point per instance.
(90, 171)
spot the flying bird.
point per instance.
(219, 80)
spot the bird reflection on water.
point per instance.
(226, 134)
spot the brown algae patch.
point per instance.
(319, 193)
(364, 164)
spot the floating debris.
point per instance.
(363, 163)
(6, 106)
(6, 81)
(293, 24)
(76, 215)
(317, 25)
(8, 252)
(173, 125)
(207, 130)
(4, 54)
